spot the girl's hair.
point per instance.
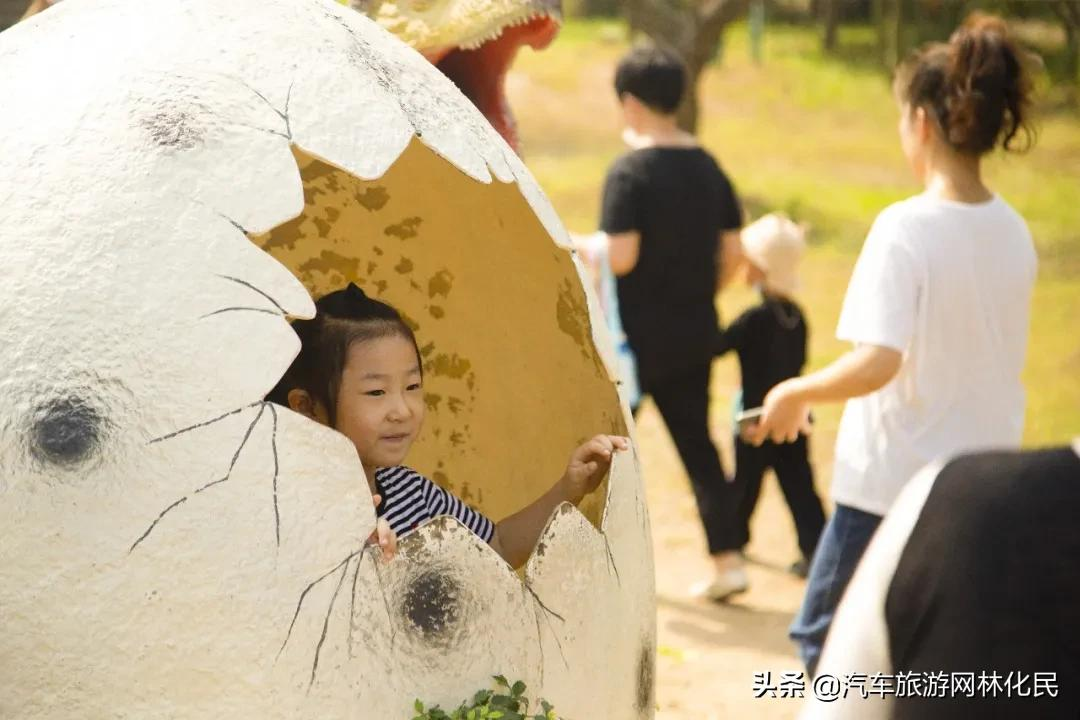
(977, 86)
(342, 318)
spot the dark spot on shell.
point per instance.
(285, 235)
(404, 230)
(373, 198)
(646, 682)
(446, 365)
(572, 315)
(432, 604)
(465, 492)
(329, 262)
(440, 284)
(66, 431)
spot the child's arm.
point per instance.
(516, 536)
(730, 258)
(621, 216)
(859, 372)
(733, 336)
(878, 315)
(623, 251)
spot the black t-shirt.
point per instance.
(679, 200)
(770, 340)
(989, 581)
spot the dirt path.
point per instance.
(708, 653)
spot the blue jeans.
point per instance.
(842, 544)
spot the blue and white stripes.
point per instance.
(409, 499)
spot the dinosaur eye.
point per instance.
(65, 431)
(432, 604)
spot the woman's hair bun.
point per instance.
(977, 86)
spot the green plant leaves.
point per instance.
(507, 702)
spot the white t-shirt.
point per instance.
(949, 285)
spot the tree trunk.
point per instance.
(877, 17)
(598, 8)
(830, 20)
(692, 31)
(687, 114)
(892, 30)
(1069, 12)
(757, 29)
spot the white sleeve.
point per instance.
(882, 295)
(858, 641)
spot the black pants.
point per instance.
(683, 402)
(791, 463)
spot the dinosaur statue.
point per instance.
(473, 42)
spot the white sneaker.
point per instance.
(723, 586)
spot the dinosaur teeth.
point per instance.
(477, 43)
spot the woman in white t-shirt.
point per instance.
(937, 308)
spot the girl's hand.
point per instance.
(784, 415)
(383, 536)
(589, 463)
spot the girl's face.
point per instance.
(914, 130)
(380, 403)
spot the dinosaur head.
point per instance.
(473, 42)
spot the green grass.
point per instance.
(815, 136)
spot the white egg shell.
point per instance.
(178, 178)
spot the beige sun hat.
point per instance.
(775, 244)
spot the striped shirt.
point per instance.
(409, 499)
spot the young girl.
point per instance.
(359, 371)
(937, 308)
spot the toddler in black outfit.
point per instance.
(770, 340)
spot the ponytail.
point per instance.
(977, 86)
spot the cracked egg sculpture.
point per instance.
(179, 177)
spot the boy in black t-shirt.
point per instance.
(770, 339)
(672, 219)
